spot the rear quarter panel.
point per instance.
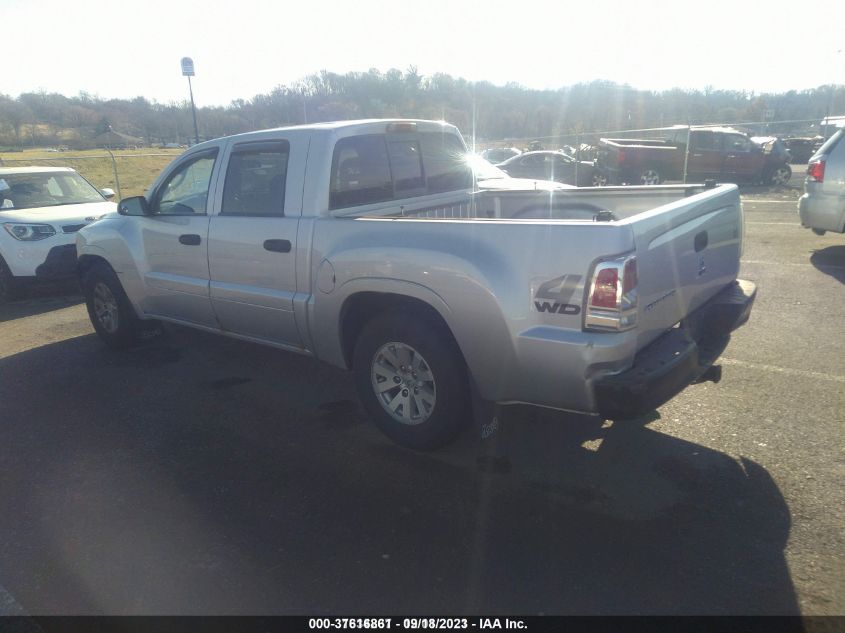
(482, 277)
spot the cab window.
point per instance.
(360, 172)
(736, 143)
(255, 180)
(185, 191)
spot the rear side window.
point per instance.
(255, 180)
(446, 165)
(360, 172)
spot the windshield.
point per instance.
(45, 189)
(483, 169)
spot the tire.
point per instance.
(650, 176)
(109, 309)
(398, 352)
(11, 288)
(779, 176)
(599, 179)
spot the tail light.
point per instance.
(612, 303)
(620, 156)
(815, 171)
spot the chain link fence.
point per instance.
(128, 173)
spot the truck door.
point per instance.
(252, 240)
(705, 156)
(743, 159)
(174, 238)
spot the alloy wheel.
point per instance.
(403, 383)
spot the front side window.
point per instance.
(360, 172)
(737, 143)
(185, 191)
(255, 180)
(704, 141)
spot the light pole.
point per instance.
(188, 71)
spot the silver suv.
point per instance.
(822, 207)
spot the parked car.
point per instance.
(489, 177)
(723, 154)
(550, 165)
(822, 207)
(365, 244)
(802, 148)
(41, 208)
(497, 155)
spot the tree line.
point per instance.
(492, 112)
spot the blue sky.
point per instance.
(130, 48)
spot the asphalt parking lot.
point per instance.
(204, 475)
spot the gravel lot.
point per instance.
(205, 475)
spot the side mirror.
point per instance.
(136, 205)
(108, 194)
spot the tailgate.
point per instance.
(687, 251)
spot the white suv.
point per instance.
(41, 209)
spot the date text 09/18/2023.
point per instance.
(416, 623)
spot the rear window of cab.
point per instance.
(373, 168)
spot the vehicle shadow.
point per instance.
(40, 299)
(830, 261)
(204, 475)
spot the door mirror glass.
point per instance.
(136, 205)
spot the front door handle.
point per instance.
(277, 246)
(190, 239)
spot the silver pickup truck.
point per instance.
(368, 245)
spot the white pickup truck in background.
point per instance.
(368, 245)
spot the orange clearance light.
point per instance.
(402, 127)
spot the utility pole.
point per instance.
(188, 71)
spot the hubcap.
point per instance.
(781, 176)
(403, 383)
(105, 307)
(650, 177)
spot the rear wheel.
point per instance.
(599, 179)
(650, 176)
(11, 288)
(412, 380)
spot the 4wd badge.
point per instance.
(553, 296)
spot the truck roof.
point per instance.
(357, 125)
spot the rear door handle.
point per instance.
(277, 246)
(190, 239)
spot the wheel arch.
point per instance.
(86, 262)
(361, 307)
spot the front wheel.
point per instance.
(780, 176)
(412, 380)
(599, 179)
(109, 309)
